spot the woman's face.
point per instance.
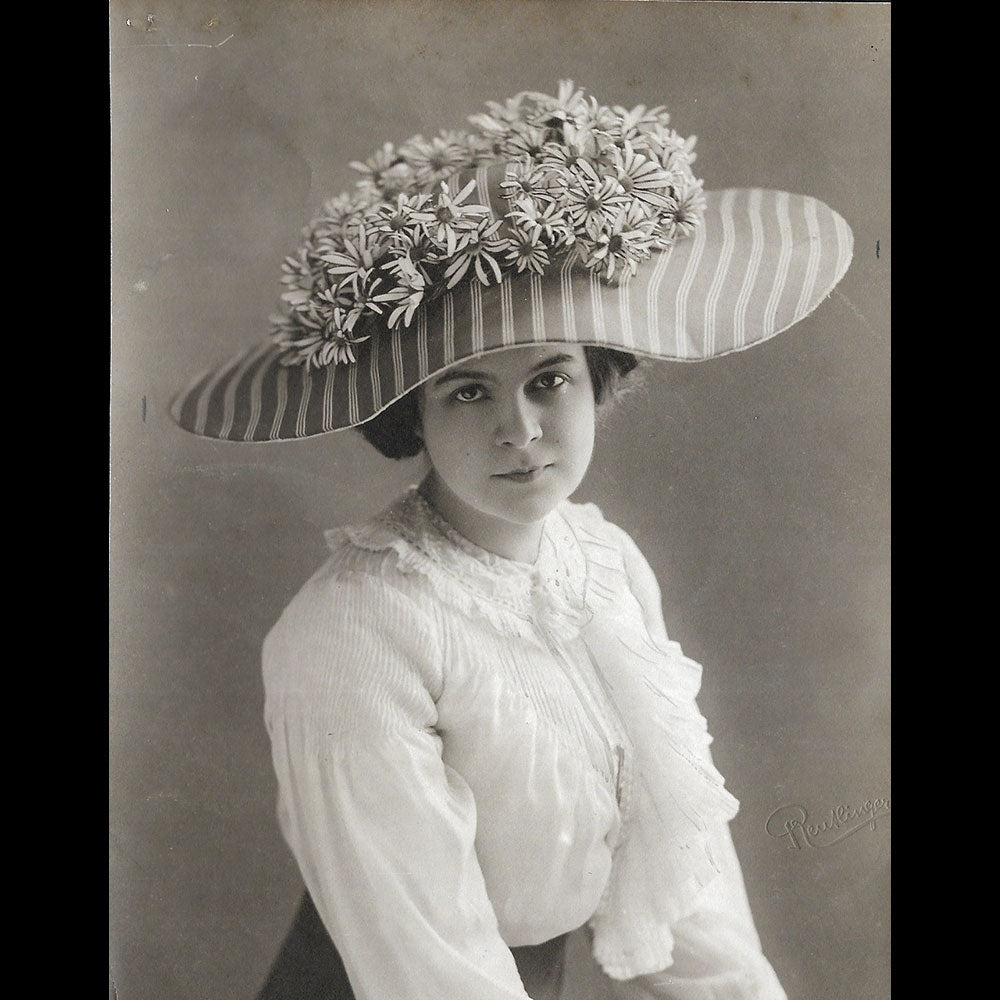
(509, 435)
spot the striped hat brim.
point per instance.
(760, 262)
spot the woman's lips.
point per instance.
(525, 475)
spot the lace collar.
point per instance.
(515, 596)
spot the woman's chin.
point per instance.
(522, 506)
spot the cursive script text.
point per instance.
(794, 824)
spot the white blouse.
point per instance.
(475, 753)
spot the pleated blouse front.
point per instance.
(474, 754)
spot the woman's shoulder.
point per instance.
(588, 522)
(613, 554)
(358, 627)
(365, 572)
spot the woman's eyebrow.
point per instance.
(458, 374)
(556, 359)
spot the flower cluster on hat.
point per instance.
(608, 185)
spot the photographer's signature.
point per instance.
(794, 823)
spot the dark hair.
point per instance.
(395, 432)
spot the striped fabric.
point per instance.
(761, 261)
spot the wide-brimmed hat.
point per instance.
(556, 220)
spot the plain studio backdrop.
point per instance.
(756, 484)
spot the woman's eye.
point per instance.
(468, 393)
(551, 380)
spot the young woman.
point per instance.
(483, 736)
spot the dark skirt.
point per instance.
(308, 967)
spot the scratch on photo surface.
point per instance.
(150, 24)
(193, 45)
(857, 312)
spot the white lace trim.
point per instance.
(519, 599)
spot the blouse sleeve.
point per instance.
(717, 952)
(382, 830)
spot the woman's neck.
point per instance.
(510, 539)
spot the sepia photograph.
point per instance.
(500, 500)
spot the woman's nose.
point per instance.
(519, 424)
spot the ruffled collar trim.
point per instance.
(514, 596)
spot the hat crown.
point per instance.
(542, 178)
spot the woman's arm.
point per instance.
(382, 830)
(717, 952)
